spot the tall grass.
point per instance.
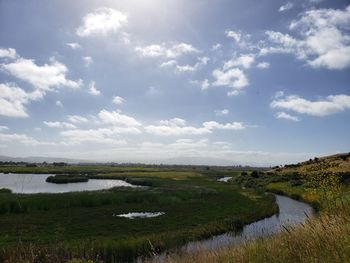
(325, 238)
(322, 239)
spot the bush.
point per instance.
(65, 179)
(5, 191)
(255, 174)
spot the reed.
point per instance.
(322, 239)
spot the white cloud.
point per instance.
(93, 90)
(88, 61)
(8, 53)
(263, 65)
(323, 41)
(168, 64)
(57, 124)
(187, 145)
(205, 84)
(233, 78)
(3, 128)
(118, 100)
(201, 61)
(101, 22)
(101, 136)
(180, 49)
(233, 34)
(330, 105)
(211, 125)
(173, 122)
(77, 119)
(287, 6)
(74, 45)
(116, 118)
(22, 138)
(279, 94)
(173, 51)
(13, 100)
(186, 68)
(282, 43)
(222, 112)
(286, 116)
(59, 104)
(216, 46)
(172, 128)
(151, 51)
(233, 93)
(46, 77)
(245, 61)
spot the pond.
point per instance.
(36, 183)
(291, 212)
(140, 215)
(225, 179)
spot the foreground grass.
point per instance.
(324, 183)
(323, 239)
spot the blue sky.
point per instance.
(165, 81)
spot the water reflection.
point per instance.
(140, 215)
(225, 179)
(36, 183)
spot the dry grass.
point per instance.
(322, 239)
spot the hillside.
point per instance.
(338, 163)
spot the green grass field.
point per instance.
(82, 224)
(80, 227)
(322, 182)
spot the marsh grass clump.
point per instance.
(5, 191)
(67, 178)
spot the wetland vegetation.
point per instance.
(194, 204)
(81, 224)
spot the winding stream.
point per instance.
(291, 212)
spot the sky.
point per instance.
(173, 81)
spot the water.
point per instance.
(140, 215)
(291, 212)
(36, 183)
(225, 179)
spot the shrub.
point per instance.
(255, 174)
(5, 191)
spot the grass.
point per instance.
(322, 182)
(323, 239)
(81, 225)
(195, 205)
(65, 179)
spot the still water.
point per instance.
(35, 183)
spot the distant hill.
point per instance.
(338, 163)
(37, 159)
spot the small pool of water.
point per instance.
(140, 215)
(36, 183)
(225, 179)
